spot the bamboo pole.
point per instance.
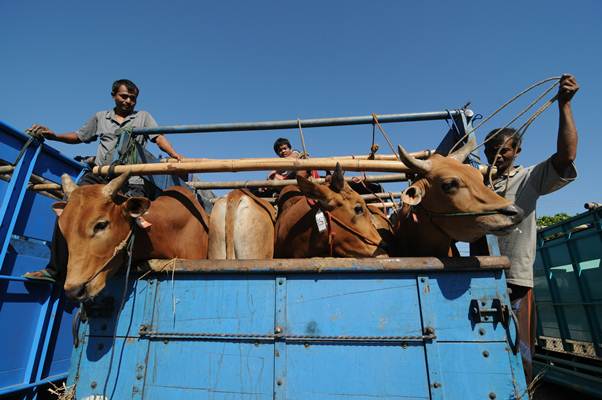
(375, 196)
(251, 165)
(286, 182)
(381, 157)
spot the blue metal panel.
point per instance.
(332, 305)
(21, 308)
(36, 348)
(300, 336)
(36, 218)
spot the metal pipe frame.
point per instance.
(294, 124)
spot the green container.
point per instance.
(568, 296)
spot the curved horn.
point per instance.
(68, 185)
(465, 150)
(415, 165)
(337, 181)
(112, 187)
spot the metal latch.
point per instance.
(496, 312)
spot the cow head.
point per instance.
(95, 222)
(445, 187)
(351, 221)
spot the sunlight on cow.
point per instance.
(346, 227)
(242, 227)
(96, 221)
(448, 201)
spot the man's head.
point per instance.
(125, 94)
(507, 142)
(282, 147)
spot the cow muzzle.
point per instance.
(514, 212)
(75, 292)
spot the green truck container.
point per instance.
(568, 295)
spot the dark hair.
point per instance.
(502, 136)
(279, 142)
(131, 86)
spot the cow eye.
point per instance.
(358, 209)
(100, 225)
(450, 186)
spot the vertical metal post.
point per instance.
(280, 345)
(431, 348)
(15, 192)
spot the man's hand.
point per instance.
(40, 131)
(568, 88)
(177, 156)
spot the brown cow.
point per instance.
(348, 230)
(448, 201)
(241, 228)
(96, 222)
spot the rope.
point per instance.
(533, 86)
(385, 136)
(305, 154)
(130, 251)
(373, 146)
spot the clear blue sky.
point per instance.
(210, 62)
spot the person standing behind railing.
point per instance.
(524, 186)
(104, 125)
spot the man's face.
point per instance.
(506, 156)
(125, 100)
(284, 150)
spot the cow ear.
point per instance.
(317, 192)
(136, 206)
(58, 207)
(412, 195)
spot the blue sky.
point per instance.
(210, 62)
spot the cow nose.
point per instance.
(75, 292)
(513, 211)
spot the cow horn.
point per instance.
(465, 150)
(112, 187)
(415, 165)
(68, 185)
(337, 181)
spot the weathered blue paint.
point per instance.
(568, 295)
(298, 335)
(35, 340)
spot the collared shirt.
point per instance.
(103, 126)
(523, 187)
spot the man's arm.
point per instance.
(164, 145)
(40, 130)
(566, 145)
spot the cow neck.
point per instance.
(330, 217)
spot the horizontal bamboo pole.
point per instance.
(373, 196)
(286, 182)
(382, 157)
(251, 165)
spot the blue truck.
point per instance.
(324, 328)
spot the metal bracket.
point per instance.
(497, 312)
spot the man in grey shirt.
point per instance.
(523, 186)
(103, 126)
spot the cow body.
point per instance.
(349, 232)
(447, 202)
(96, 221)
(242, 228)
